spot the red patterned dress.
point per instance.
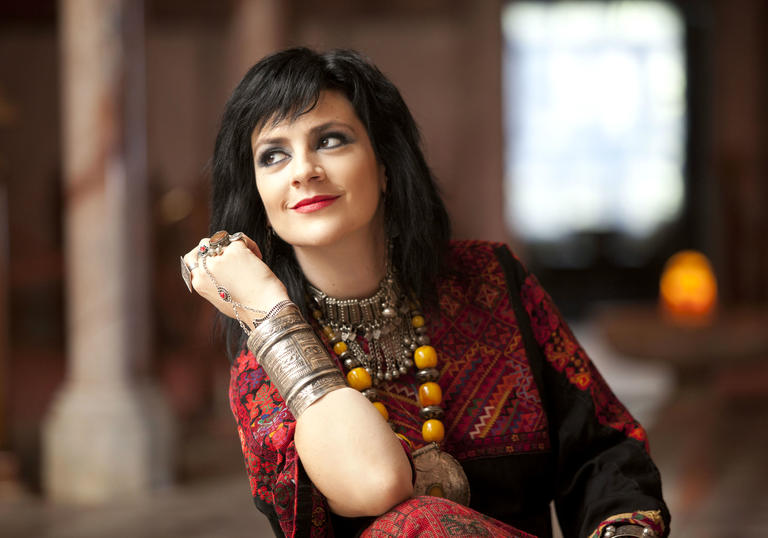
(527, 414)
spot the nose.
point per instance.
(306, 169)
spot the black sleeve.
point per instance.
(604, 472)
(269, 511)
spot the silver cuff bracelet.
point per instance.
(294, 359)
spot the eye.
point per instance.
(332, 140)
(272, 157)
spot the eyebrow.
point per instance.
(313, 131)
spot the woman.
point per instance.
(318, 161)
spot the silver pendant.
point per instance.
(438, 471)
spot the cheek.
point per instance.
(368, 178)
(269, 197)
(368, 202)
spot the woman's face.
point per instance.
(318, 176)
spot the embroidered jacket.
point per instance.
(526, 412)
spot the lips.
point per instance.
(315, 203)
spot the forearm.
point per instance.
(348, 450)
(352, 456)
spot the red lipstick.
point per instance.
(315, 203)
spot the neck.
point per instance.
(349, 269)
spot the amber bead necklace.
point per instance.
(380, 338)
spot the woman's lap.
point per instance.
(435, 517)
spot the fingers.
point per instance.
(229, 274)
(192, 270)
(191, 261)
(252, 246)
(194, 262)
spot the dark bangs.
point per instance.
(282, 86)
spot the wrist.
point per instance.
(264, 306)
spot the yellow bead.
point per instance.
(382, 409)
(317, 314)
(425, 357)
(433, 431)
(339, 348)
(430, 393)
(436, 490)
(359, 379)
(417, 321)
(328, 331)
(404, 438)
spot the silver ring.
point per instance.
(218, 242)
(186, 273)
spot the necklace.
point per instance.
(379, 333)
(379, 338)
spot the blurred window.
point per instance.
(595, 110)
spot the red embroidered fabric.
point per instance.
(490, 395)
(432, 517)
(491, 401)
(565, 354)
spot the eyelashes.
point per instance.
(332, 140)
(272, 157)
(275, 155)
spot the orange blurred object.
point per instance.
(688, 289)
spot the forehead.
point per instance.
(331, 106)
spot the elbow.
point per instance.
(391, 491)
(375, 495)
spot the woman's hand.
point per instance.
(241, 272)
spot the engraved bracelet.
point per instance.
(294, 359)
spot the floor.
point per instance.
(211, 500)
(708, 436)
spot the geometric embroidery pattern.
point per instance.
(563, 352)
(433, 517)
(491, 400)
(648, 518)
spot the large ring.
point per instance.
(220, 240)
(186, 273)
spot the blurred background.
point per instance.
(598, 138)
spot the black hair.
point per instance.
(288, 84)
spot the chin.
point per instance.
(326, 236)
(316, 238)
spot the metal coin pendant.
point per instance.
(438, 471)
